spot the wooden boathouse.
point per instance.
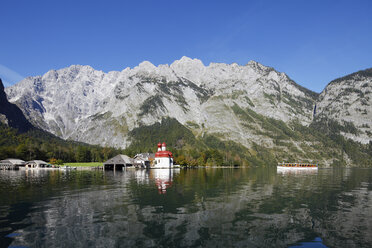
(11, 164)
(118, 162)
(36, 164)
(143, 160)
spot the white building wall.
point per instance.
(163, 163)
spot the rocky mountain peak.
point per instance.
(146, 66)
(252, 105)
(186, 61)
(1, 87)
(348, 100)
(87, 105)
(2, 92)
(353, 77)
(192, 69)
(10, 114)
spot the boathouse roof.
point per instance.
(13, 161)
(38, 162)
(119, 159)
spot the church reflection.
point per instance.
(163, 178)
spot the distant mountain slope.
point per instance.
(217, 115)
(83, 104)
(348, 100)
(10, 114)
(19, 139)
(39, 144)
(291, 142)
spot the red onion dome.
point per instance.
(159, 144)
(163, 144)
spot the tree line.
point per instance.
(37, 144)
(189, 150)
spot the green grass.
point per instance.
(90, 164)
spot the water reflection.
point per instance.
(186, 208)
(163, 178)
(296, 172)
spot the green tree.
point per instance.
(83, 154)
(21, 151)
(53, 161)
(59, 162)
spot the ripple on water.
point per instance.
(209, 208)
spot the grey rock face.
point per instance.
(349, 100)
(87, 105)
(11, 115)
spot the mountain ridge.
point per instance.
(251, 105)
(170, 90)
(364, 73)
(347, 100)
(10, 114)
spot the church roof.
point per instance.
(163, 154)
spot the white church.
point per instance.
(163, 158)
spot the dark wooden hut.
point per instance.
(11, 164)
(118, 162)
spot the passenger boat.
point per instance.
(297, 166)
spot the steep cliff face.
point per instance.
(10, 114)
(261, 112)
(348, 100)
(86, 105)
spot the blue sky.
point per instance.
(313, 41)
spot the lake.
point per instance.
(246, 207)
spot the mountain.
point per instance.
(10, 114)
(83, 104)
(348, 101)
(216, 114)
(19, 138)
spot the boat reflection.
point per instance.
(296, 171)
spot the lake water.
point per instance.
(256, 207)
